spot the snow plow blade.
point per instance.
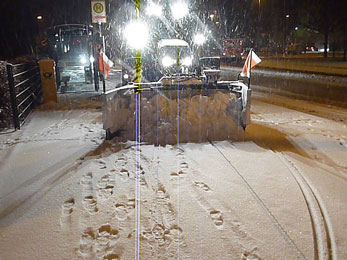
(178, 110)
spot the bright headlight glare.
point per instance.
(125, 76)
(179, 10)
(167, 61)
(136, 33)
(83, 60)
(154, 9)
(199, 39)
(187, 61)
(91, 59)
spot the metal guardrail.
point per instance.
(25, 90)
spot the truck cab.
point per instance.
(174, 57)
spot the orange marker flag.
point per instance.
(249, 64)
(105, 64)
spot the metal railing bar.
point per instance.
(24, 72)
(29, 87)
(23, 101)
(18, 95)
(26, 80)
(25, 118)
(25, 109)
(13, 98)
(21, 64)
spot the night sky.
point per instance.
(19, 30)
(19, 27)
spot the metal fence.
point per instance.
(25, 90)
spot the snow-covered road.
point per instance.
(279, 194)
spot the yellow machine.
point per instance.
(48, 80)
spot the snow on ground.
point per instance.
(280, 194)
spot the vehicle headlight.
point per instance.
(91, 59)
(83, 59)
(167, 61)
(136, 34)
(199, 39)
(187, 61)
(125, 76)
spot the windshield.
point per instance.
(172, 51)
(210, 62)
(69, 42)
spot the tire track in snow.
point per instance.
(273, 219)
(162, 233)
(214, 210)
(323, 236)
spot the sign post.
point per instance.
(98, 8)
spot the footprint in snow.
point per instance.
(124, 173)
(121, 211)
(67, 209)
(175, 175)
(131, 204)
(250, 255)
(87, 243)
(99, 244)
(202, 186)
(143, 181)
(105, 186)
(162, 196)
(184, 165)
(87, 183)
(106, 238)
(86, 180)
(123, 208)
(175, 234)
(68, 206)
(102, 164)
(111, 256)
(217, 218)
(90, 204)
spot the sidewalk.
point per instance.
(34, 158)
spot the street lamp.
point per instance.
(136, 33)
(287, 15)
(179, 10)
(39, 17)
(199, 39)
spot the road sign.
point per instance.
(98, 11)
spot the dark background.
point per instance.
(263, 22)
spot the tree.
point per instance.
(322, 16)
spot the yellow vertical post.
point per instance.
(138, 128)
(138, 51)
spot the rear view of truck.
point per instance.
(71, 49)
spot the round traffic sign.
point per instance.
(98, 8)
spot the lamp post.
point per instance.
(199, 39)
(179, 11)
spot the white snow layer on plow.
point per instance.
(195, 115)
